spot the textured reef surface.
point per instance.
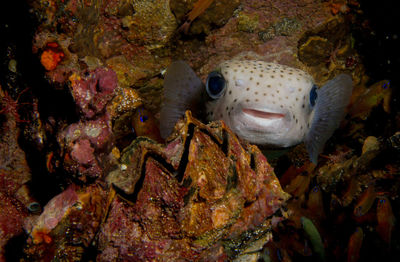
(86, 176)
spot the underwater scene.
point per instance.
(199, 130)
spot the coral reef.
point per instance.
(16, 204)
(116, 190)
(167, 202)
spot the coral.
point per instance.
(284, 27)
(151, 23)
(92, 93)
(247, 23)
(14, 174)
(68, 224)
(12, 214)
(96, 131)
(51, 56)
(83, 141)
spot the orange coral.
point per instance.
(52, 56)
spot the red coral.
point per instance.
(95, 91)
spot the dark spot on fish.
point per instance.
(269, 86)
(290, 73)
(261, 75)
(226, 108)
(251, 71)
(301, 127)
(300, 89)
(298, 79)
(256, 93)
(230, 92)
(256, 100)
(235, 70)
(211, 113)
(247, 100)
(258, 83)
(239, 66)
(262, 71)
(235, 100)
(226, 72)
(281, 76)
(242, 71)
(277, 91)
(281, 106)
(297, 99)
(281, 71)
(272, 95)
(220, 115)
(264, 94)
(302, 106)
(273, 71)
(247, 89)
(272, 76)
(251, 78)
(297, 120)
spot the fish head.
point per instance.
(263, 103)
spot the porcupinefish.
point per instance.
(267, 104)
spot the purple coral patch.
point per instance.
(82, 152)
(93, 92)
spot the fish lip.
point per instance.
(271, 128)
(263, 113)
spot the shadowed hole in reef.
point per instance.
(55, 102)
(184, 159)
(252, 162)
(15, 243)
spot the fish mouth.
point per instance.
(263, 114)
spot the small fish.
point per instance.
(299, 185)
(198, 8)
(354, 246)
(264, 103)
(144, 124)
(315, 203)
(315, 238)
(364, 100)
(385, 218)
(365, 201)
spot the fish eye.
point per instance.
(215, 84)
(313, 95)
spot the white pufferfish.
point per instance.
(267, 104)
